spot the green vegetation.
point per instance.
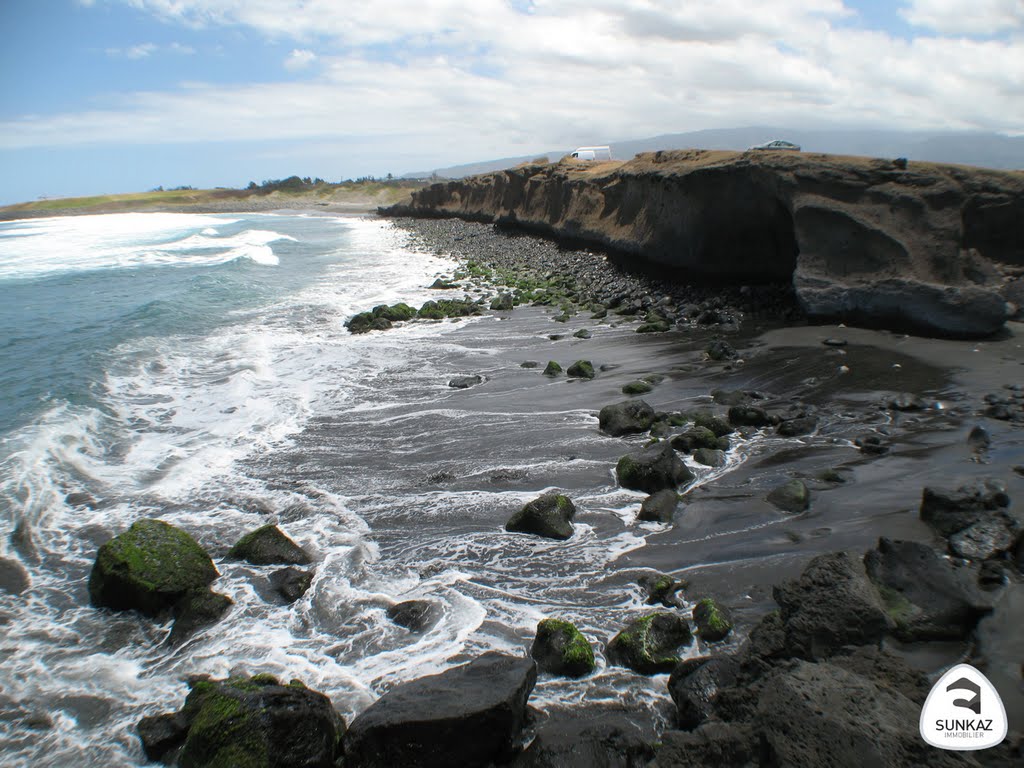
(712, 622)
(636, 388)
(581, 369)
(552, 369)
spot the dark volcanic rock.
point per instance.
(552, 369)
(149, 568)
(983, 540)
(699, 437)
(661, 588)
(830, 605)
(655, 468)
(589, 739)
(709, 457)
(712, 744)
(256, 721)
(415, 615)
(949, 511)
(659, 507)
(581, 369)
(467, 716)
(716, 424)
(821, 714)
(748, 416)
(694, 686)
(196, 610)
(160, 734)
(924, 595)
(13, 578)
(81, 499)
(650, 644)
(465, 382)
(803, 425)
(791, 497)
(549, 515)
(560, 649)
(269, 546)
(502, 303)
(625, 418)
(872, 445)
(721, 350)
(291, 583)
(712, 620)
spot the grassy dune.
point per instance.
(365, 195)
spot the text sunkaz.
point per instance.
(963, 725)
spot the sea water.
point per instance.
(196, 368)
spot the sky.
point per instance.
(102, 96)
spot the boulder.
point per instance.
(830, 605)
(549, 515)
(415, 615)
(984, 539)
(659, 507)
(581, 369)
(709, 457)
(291, 583)
(712, 744)
(721, 350)
(631, 416)
(712, 620)
(637, 387)
(465, 382)
(748, 416)
(257, 721)
(695, 683)
(654, 468)
(792, 497)
(716, 424)
(925, 596)
(649, 645)
(470, 715)
(699, 437)
(588, 738)
(162, 734)
(821, 714)
(269, 546)
(661, 589)
(197, 609)
(949, 511)
(502, 303)
(802, 425)
(552, 369)
(149, 568)
(13, 577)
(560, 649)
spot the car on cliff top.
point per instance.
(778, 144)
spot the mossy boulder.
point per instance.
(649, 645)
(502, 303)
(792, 497)
(581, 369)
(716, 424)
(549, 515)
(709, 457)
(658, 325)
(748, 416)
(291, 583)
(659, 507)
(364, 322)
(699, 437)
(712, 620)
(721, 350)
(582, 333)
(395, 313)
(653, 469)
(628, 417)
(196, 610)
(269, 546)
(149, 568)
(637, 387)
(552, 369)
(254, 722)
(661, 589)
(560, 649)
(438, 310)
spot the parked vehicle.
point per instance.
(778, 144)
(592, 153)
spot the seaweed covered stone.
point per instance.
(791, 496)
(552, 369)
(560, 649)
(659, 507)
(581, 369)
(255, 722)
(626, 418)
(549, 515)
(649, 645)
(269, 546)
(654, 468)
(149, 568)
(712, 620)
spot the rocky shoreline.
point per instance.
(833, 676)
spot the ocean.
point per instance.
(196, 368)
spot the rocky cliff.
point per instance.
(924, 247)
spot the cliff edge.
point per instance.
(935, 249)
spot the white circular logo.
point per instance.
(963, 711)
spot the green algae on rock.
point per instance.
(649, 645)
(269, 546)
(549, 515)
(560, 649)
(712, 620)
(149, 568)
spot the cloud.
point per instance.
(482, 76)
(145, 50)
(956, 17)
(299, 59)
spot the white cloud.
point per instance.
(970, 17)
(135, 52)
(299, 59)
(479, 76)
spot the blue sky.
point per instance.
(120, 95)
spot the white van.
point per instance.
(592, 153)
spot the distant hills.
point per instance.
(989, 150)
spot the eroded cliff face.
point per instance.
(923, 247)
